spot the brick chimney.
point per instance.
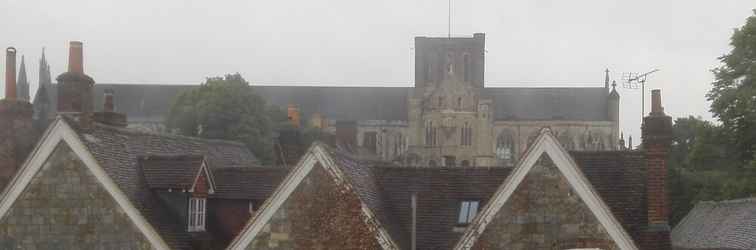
(17, 135)
(292, 113)
(10, 74)
(657, 138)
(74, 86)
(108, 116)
(289, 145)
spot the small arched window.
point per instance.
(459, 103)
(466, 135)
(505, 148)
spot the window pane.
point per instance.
(463, 211)
(473, 211)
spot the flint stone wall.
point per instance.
(544, 212)
(65, 207)
(319, 214)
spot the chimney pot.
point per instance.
(293, 114)
(76, 57)
(10, 73)
(656, 107)
(109, 105)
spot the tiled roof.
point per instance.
(117, 151)
(151, 102)
(170, 171)
(718, 225)
(618, 177)
(256, 183)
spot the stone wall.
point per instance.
(65, 207)
(544, 212)
(319, 214)
(517, 136)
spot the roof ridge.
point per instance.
(176, 136)
(741, 200)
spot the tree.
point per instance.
(733, 96)
(226, 108)
(703, 166)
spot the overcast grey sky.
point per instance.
(353, 42)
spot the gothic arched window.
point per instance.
(430, 134)
(468, 68)
(466, 135)
(505, 148)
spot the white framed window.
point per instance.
(197, 208)
(467, 211)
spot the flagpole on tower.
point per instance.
(449, 24)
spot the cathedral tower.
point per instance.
(449, 123)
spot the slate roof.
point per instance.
(170, 171)
(151, 102)
(718, 225)
(618, 177)
(117, 150)
(256, 183)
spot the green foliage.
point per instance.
(226, 108)
(733, 96)
(702, 167)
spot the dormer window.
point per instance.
(467, 211)
(197, 210)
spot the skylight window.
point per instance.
(467, 212)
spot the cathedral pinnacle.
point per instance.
(606, 78)
(22, 85)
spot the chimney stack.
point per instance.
(76, 57)
(75, 87)
(656, 107)
(108, 103)
(293, 114)
(657, 138)
(108, 116)
(17, 135)
(10, 74)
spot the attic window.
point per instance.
(467, 211)
(197, 214)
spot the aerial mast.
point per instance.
(636, 81)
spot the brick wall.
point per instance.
(319, 214)
(544, 212)
(65, 207)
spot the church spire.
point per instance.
(22, 85)
(45, 78)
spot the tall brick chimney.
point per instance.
(74, 86)
(10, 74)
(657, 138)
(16, 130)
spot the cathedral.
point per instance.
(448, 118)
